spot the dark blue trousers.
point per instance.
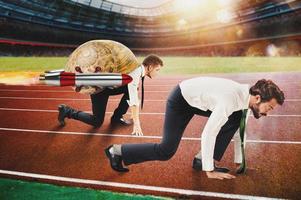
(177, 116)
(99, 104)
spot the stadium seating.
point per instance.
(70, 23)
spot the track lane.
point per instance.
(263, 129)
(291, 108)
(50, 152)
(82, 157)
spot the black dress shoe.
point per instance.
(63, 113)
(121, 121)
(197, 165)
(115, 161)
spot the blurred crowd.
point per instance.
(273, 36)
(271, 48)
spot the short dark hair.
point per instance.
(267, 90)
(152, 60)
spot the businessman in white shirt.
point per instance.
(150, 67)
(221, 100)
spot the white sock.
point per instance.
(115, 149)
(199, 155)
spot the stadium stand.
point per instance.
(41, 27)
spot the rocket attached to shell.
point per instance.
(62, 78)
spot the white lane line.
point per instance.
(64, 91)
(141, 113)
(133, 186)
(70, 91)
(31, 110)
(133, 136)
(64, 99)
(86, 99)
(172, 83)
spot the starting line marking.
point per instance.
(133, 186)
(142, 113)
(88, 99)
(134, 136)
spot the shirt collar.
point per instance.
(247, 96)
(142, 70)
(246, 106)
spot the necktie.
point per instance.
(243, 167)
(142, 91)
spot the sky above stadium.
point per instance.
(140, 3)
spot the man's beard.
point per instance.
(255, 110)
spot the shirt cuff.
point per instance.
(237, 148)
(133, 103)
(207, 165)
(238, 157)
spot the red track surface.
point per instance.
(32, 142)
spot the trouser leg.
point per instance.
(99, 104)
(177, 116)
(226, 134)
(123, 104)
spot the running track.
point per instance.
(33, 147)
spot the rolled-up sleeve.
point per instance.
(133, 87)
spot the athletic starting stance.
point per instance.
(224, 101)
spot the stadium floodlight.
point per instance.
(272, 50)
(223, 3)
(182, 22)
(187, 5)
(224, 16)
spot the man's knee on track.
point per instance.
(98, 123)
(165, 157)
(166, 154)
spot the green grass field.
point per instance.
(172, 65)
(16, 189)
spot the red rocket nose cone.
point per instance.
(126, 79)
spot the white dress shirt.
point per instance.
(133, 86)
(222, 97)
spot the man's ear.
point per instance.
(258, 98)
(150, 68)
